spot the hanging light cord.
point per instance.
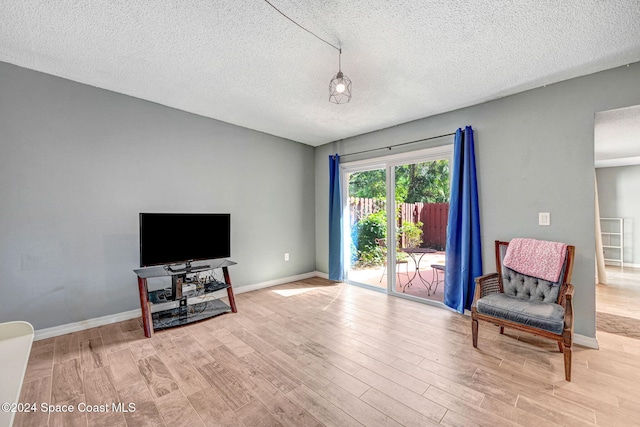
(308, 31)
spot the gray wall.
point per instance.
(77, 165)
(619, 198)
(534, 153)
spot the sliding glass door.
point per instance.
(367, 227)
(395, 232)
(422, 207)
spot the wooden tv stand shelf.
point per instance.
(166, 308)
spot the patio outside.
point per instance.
(408, 281)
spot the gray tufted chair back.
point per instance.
(529, 287)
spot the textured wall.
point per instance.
(78, 164)
(618, 196)
(534, 153)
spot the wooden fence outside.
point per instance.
(360, 208)
(434, 217)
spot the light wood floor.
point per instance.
(314, 353)
(621, 295)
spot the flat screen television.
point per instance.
(175, 238)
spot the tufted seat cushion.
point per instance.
(542, 315)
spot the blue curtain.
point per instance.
(464, 254)
(336, 267)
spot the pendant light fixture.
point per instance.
(340, 85)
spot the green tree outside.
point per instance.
(426, 182)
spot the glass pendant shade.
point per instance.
(340, 85)
(340, 89)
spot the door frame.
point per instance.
(389, 163)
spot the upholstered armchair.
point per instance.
(515, 300)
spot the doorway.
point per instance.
(367, 226)
(617, 170)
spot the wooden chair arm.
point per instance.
(567, 304)
(485, 285)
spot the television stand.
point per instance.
(163, 309)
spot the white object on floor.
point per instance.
(15, 346)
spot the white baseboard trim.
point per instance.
(617, 264)
(585, 341)
(275, 282)
(323, 275)
(86, 324)
(68, 328)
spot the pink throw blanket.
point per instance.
(537, 258)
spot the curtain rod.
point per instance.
(399, 145)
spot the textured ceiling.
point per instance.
(617, 137)
(241, 62)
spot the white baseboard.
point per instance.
(617, 264)
(68, 328)
(323, 275)
(86, 324)
(275, 282)
(585, 341)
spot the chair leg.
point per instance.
(501, 330)
(561, 346)
(474, 332)
(398, 272)
(436, 278)
(567, 363)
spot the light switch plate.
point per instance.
(544, 218)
